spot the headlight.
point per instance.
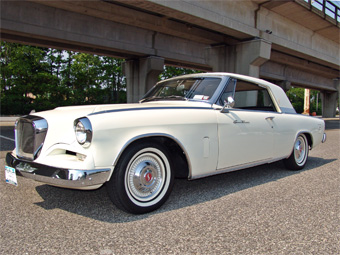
(83, 131)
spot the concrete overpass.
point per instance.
(287, 42)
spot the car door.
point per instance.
(245, 131)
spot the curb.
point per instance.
(3, 154)
(8, 121)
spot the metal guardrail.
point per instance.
(328, 8)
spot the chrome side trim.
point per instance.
(152, 108)
(236, 168)
(55, 176)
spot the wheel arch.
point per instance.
(308, 136)
(179, 156)
(299, 155)
(309, 140)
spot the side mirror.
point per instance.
(228, 104)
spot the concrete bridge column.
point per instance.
(251, 55)
(329, 101)
(285, 85)
(222, 58)
(141, 74)
(243, 58)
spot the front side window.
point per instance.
(229, 91)
(201, 89)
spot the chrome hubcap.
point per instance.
(145, 177)
(300, 150)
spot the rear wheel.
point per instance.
(143, 178)
(297, 160)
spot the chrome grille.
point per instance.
(30, 133)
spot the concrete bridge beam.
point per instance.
(141, 74)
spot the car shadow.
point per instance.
(97, 205)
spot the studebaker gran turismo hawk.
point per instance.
(189, 126)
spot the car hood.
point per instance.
(74, 112)
(61, 120)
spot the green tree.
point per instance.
(315, 102)
(84, 78)
(296, 97)
(26, 80)
(113, 80)
(34, 78)
(172, 71)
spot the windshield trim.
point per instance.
(212, 100)
(158, 98)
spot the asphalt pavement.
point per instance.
(261, 210)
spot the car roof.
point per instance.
(278, 93)
(225, 74)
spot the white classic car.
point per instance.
(189, 126)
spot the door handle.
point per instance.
(240, 121)
(271, 119)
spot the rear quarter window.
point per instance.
(252, 97)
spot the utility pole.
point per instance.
(306, 106)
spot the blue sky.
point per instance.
(336, 3)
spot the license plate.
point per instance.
(11, 176)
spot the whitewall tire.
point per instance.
(297, 160)
(142, 179)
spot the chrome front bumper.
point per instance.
(61, 177)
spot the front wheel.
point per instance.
(143, 178)
(297, 160)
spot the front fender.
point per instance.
(195, 131)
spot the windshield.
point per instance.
(184, 89)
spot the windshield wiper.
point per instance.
(163, 98)
(176, 97)
(150, 99)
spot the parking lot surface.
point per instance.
(261, 210)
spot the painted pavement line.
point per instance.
(7, 138)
